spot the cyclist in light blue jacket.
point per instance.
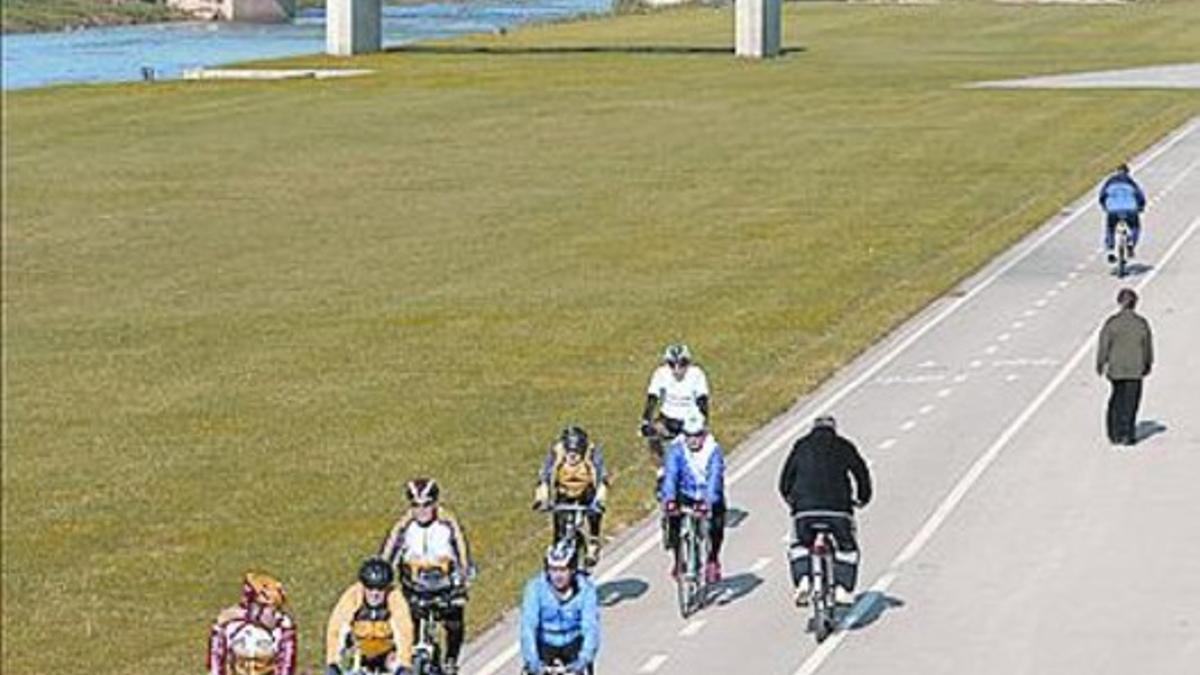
(694, 475)
(1122, 199)
(560, 616)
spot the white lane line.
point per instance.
(1029, 312)
(1063, 284)
(1011, 377)
(653, 663)
(692, 628)
(960, 378)
(944, 392)
(955, 496)
(1003, 337)
(927, 364)
(1041, 303)
(976, 363)
(1018, 325)
(1079, 268)
(887, 444)
(1052, 292)
(782, 437)
(925, 409)
(991, 349)
(908, 425)
(760, 564)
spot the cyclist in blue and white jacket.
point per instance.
(1122, 199)
(694, 475)
(560, 616)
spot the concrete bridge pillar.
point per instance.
(759, 28)
(353, 26)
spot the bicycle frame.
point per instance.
(693, 553)
(824, 601)
(1121, 240)
(574, 527)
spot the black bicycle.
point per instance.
(694, 544)
(432, 594)
(1122, 245)
(574, 528)
(822, 598)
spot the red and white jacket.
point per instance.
(240, 644)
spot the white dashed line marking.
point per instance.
(926, 409)
(960, 378)
(908, 425)
(976, 364)
(887, 444)
(1052, 292)
(991, 349)
(943, 393)
(758, 566)
(653, 663)
(1081, 267)
(1073, 275)
(692, 628)
(1029, 312)
(1063, 284)
(1018, 325)
(1041, 303)
(1003, 337)
(1011, 377)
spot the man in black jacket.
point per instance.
(816, 484)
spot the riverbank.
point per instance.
(31, 16)
(239, 315)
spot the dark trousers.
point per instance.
(1123, 405)
(565, 654)
(453, 622)
(1110, 229)
(845, 557)
(594, 519)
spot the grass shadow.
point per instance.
(618, 591)
(489, 50)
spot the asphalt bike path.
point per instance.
(1005, 533)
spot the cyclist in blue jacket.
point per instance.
(694, 475)
(1122, 199)
(560, 616)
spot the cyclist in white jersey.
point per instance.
(678, 390)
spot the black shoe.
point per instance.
(1112, 257)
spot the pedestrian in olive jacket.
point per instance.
(1125, 356)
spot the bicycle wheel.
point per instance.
(1122, 249)
(686, 580)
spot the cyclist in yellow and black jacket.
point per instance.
(573, 473)
(370, 629)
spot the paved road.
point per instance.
(1006, 536)
(1177, 76)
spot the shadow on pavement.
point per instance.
(1147, 429)
(736, 587)
(734, 516)
(580, 49)
(1137, 269)
(616, 592)
(867, 609)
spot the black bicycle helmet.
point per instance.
(376, 573)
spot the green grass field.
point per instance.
(239, 315)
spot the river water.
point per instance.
(119, 53)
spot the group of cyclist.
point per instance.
(371, 629)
